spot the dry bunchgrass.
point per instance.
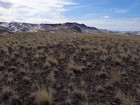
(74, 66)
(2, 67)
(125, 99)
(43, 97)
(99, 88)
(86, 47)
(117, 60)
(7, 90)
(115, 76)
(77, 66)
(52, 60)
(47, 64)
(7, 93)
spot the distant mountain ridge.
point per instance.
(27, 27)
(71, 26)
(121, 32)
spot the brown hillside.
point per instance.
(69, 69)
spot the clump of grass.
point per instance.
(125, 100)
(103, 58)
(6, 61)
(7, 93)
(10, 79)
(116, 60)
(15, 100)
(101, 74)
(52, 60)
(2, 67)
(86, 47)
(115, 76)
(47, 64)
(43, 97)
(26, 79)
(12, 68)
(61, 56)
(36, 56)
(79, 94)
(99, 88)
(75, 66)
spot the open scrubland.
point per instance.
(69, 69)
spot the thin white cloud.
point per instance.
(52, 11)
(106, 17)
(122, 11)
(35, 9)
(5, 4)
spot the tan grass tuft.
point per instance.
(126, 100)
(52, 60)
(115, 76)
(43, 98)
(75, 66)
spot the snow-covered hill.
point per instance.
(27, 27)
(76, 27)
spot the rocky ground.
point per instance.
(69, 69)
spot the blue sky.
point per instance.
(109, 14)
(116, 9)
(121, 15)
